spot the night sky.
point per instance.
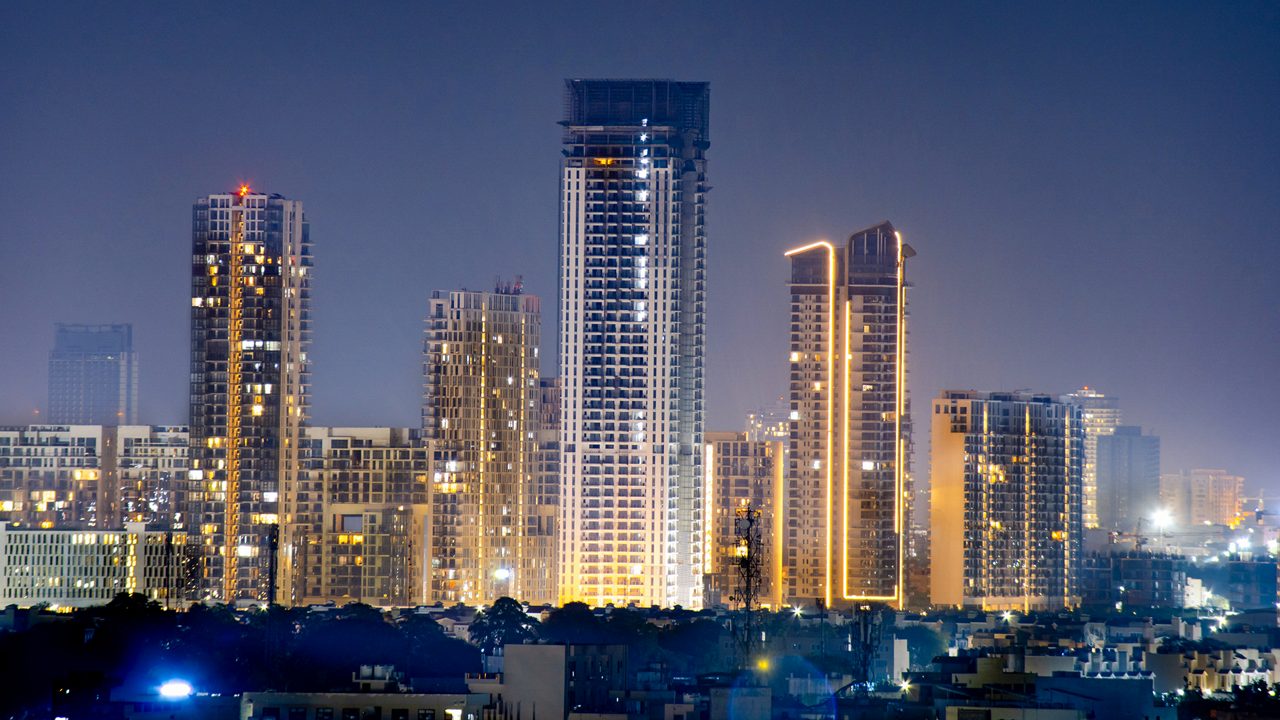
(1092, 189)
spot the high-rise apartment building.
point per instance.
(55, 476)
(362, 531)
(93, 376)
(632, 340)
(91, 476)
(1101, 417)
(250, 331)
(547, 469)
(150, 473)
(1006, 512)
(847, 505)
(1200, 497)
(492, 526)
(1128, 482)
(744, 484)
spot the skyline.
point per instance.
(137, 211)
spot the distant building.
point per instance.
(1006, 511)
(558, 681)
(364, 535)
(250, 384)
(633, 185)
(492, 527)
(547, 466)
(81, 568)
(1101, 417)
(743, 476)
(360, 705)
(91, 476)
(1202, 497)
(1128, 480)
(93, 376)
(55, 476)
(847, 505)
(1136, 579)
(150, 468)
(770, 423)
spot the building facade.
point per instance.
(1128, 480)
(81, 568)
(93, 376)
(492, 523)
(632, 340)
(1006, 511)
(250, 332)
(847, 505)
(1202, 497)
(1101, 417)
(150, 474)
(744, 495)
(363, 523)
(56, 476)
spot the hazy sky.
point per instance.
(1093, 190)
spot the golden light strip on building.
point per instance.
(1066, 504)
(844, 454)
(898, 595)
(708, 476)
(1027, 491)
(987, 536)
(234, 359)
(521, 468)
(831, 371)
(480, 485)
(779, 519)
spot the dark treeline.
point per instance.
(132, 643)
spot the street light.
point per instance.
(175, 690)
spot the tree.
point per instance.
(573, 624)
(505, 623)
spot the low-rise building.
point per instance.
(81, 568)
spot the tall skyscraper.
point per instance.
(1006, 517)
(250, 331)
(744, 475)
(632, 339)
(363, 534)
(492, 529)
(1101, 417)
(847, 505)
(1128, 479)
(93, 376)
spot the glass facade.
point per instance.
(93, 376)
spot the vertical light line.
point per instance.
(481, 561)
(899, 390)
(779, 499)
(844, 457)
(234, 358)
(1066, 504)
(984, 573)
(831, 376)
(708, 475)
(1028, 520)
(522, 434)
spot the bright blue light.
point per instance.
(175, 690)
